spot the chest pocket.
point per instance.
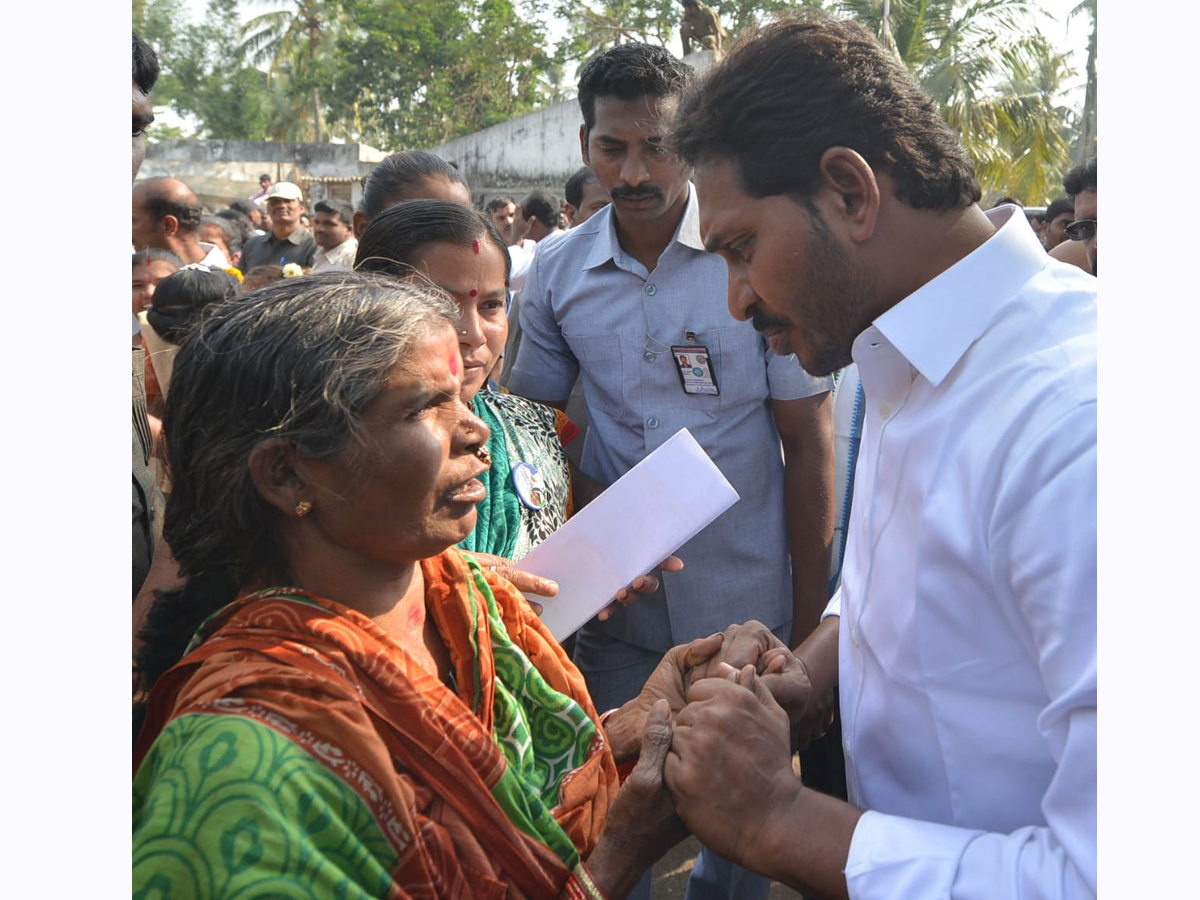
(739, 366)
(600, 357)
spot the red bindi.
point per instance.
(453, 360)
(474, 293)
(475, 247)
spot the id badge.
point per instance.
(695, 370)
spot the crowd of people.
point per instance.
(349, 430)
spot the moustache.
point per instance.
(635, 193)
(762, 320)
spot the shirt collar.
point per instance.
(296, 237)
(607, 246)
(937, 323)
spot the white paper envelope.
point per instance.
(644, 516)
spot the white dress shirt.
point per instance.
(522, 258)
(967, 640)
(339, 257)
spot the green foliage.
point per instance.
(996, 79)
(204, 73)
(416, 73)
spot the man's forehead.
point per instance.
(1086, 200)
(647, 112)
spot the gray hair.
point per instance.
(299, 359)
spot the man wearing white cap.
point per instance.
(287, 242)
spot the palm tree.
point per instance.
(1087, 125)
(994, 76)
(294, 38)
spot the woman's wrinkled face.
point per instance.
(145, 279)
(474, 276)
(411, 491)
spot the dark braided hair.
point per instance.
(299, 359)
(181, 296)
(391, 241)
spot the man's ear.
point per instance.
(583, 142)
(169, 225)
(359, 223)
(274, 470)
(851, 182)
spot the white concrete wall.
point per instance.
(222, 171)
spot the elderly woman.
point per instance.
(438, 242)
(341, 705)
(456, 249)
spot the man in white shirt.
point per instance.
(166, 216)
(963, 638)
(535, 223)
(333, 229)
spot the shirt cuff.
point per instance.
(834, 607)
(895, 857)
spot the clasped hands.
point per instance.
(716, 725)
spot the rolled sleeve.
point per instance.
(545, 367)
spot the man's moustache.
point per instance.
(633, 193)
(762, 321)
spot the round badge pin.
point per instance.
(530, 485)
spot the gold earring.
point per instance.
(303, 508)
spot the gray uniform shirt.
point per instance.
(589, 308)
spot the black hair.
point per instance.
(145, 65)
(498, 203)
(391, 242)
(335, 207)
(1081, 178)
(1009, 200)
(630, 71)
(153, 254)
(245, 207)
(264, 175)
(181, 296)
(540, 205)
(1057, 208)
(793, 88)
(573, 191)
(160, 203)
(240, 222)
(392, 179)
(300, 359)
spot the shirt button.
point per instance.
(885, 410)
(652, 422)
(854, 637)
(651, 290)
(648, 356)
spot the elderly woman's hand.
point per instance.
(526, 582)
(626, 727)
(642, 824)
(643, 584)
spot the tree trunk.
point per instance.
(316, 102)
